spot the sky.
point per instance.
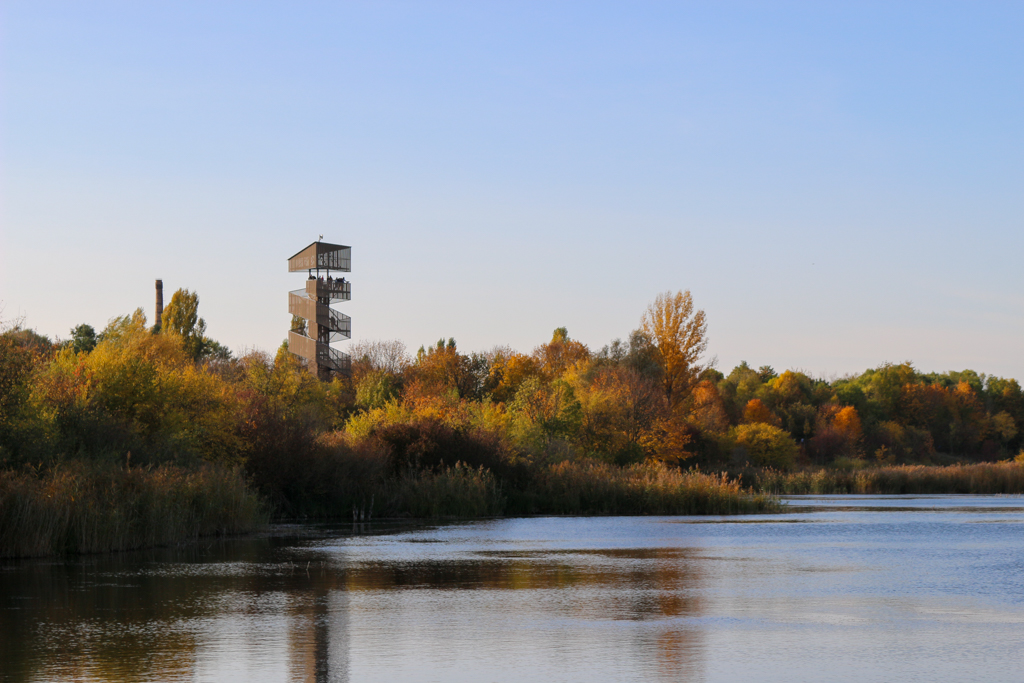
(837, 184)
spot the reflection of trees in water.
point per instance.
(96, 619)
(144, 616)
(128, 617)
(656, 585)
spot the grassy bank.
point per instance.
(980, 478)
(82, 508)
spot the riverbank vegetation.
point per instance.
(81, 507)
(640, 426)
(974, 478)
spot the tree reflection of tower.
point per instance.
(319, 635)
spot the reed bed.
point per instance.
(459, 491)
(82, 508)
(586, 488)
(592, 488)
(979, 478)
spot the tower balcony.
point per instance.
(319, 353)
(320, 315)
(333, 290)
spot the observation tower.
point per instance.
(315, 325)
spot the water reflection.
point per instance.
(932, 590)
(276, 609)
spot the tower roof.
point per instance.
(322, 255)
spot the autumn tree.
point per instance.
(546, 415)
(634, 402)
(757, 411)
(441, 368)
(637, 353)
(886, 388)
(741, 386)
(846, 421)
(707, 411)
(679, 334)
(508, 370)
(181, 318)
(791, 397)
(764, 445)
(837, 433)
(968, 426)
(559, 354)
(375, 388)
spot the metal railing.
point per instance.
(323, 256)
(335, 290)
(319, 314)
(318, 352)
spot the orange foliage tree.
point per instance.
(757, 411)
(559, 354)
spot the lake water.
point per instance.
(853, 588)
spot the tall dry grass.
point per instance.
(592, 488)
(459, 491)
(980, 478)
(580, 488)
(83, 508)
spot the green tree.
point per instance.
(83, 338)
(15, 388)
(885, 388)
(375, 388)
(550, 407)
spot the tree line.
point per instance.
(129, 395)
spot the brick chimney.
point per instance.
(159, 305)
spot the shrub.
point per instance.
(429, 443)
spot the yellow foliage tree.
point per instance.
(144, 384)
(679, 334)
(765, 445)
(508, 370)
(667, 440)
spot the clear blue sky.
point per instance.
(838, 184)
